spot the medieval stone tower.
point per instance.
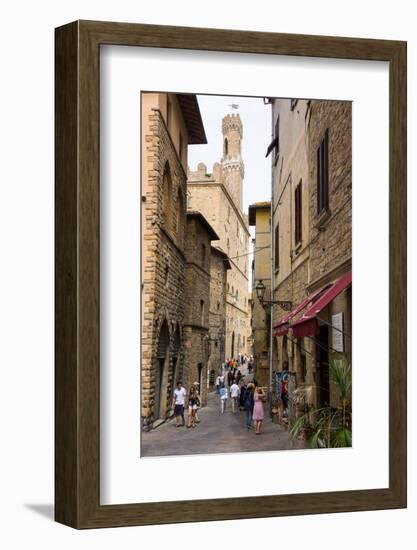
(232, 166)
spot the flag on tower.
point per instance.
(234, 105)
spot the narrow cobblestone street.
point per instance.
(216, 433)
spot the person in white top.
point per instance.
(219, 383)
(178, 403)
(223, 398)
(234, 394)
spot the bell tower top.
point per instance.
(232, 135)
(232, 167)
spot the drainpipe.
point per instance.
(272, 254)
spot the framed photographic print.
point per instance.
(230, 274)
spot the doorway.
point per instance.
(200, 375)
(322, 354)
(161, 372)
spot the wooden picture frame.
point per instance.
(77, 359)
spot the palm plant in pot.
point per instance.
(329, 426)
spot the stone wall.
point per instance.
(217, 313)
(163, 267)
(261, 316)
(325, 250)
(212, 199)
(197, 304)
(331, 236)
(290, 168)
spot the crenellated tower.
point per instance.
(232, 167)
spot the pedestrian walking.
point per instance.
(230, 377)
(250, 366)
(234, 394)
(219, 383)
(197, 389)
(193, 403)
(258, 409)
(242, 395)
(178, 403)
(248, 405)
(223, 398)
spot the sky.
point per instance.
(256, 121)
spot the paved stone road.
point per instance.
(216, 433)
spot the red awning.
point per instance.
(307, 324)
(282, 326)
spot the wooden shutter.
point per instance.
(298, 213)
(323, 174)
(276, 247)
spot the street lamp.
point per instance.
(260, 288)
(260, 291)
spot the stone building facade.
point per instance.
(169, 122)
(218, 195)
(330, 125)
(260, 218)
(199, 235)
(219, 266)
(312, 197)
(289, 157)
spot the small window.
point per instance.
(276, 246)
(169, 112)
(180, 217)
(181, 147)
(226, 147)
(218, 306)
(298, 213)
(323, 174)
(202, 311)
(203, 254)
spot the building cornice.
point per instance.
(329, 276)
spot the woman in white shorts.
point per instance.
(193, 404)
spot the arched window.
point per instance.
(202, 311)
(226, 147)
(203, 254)
(167, 196)
(180, 217)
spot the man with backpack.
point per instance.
(248, 404)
